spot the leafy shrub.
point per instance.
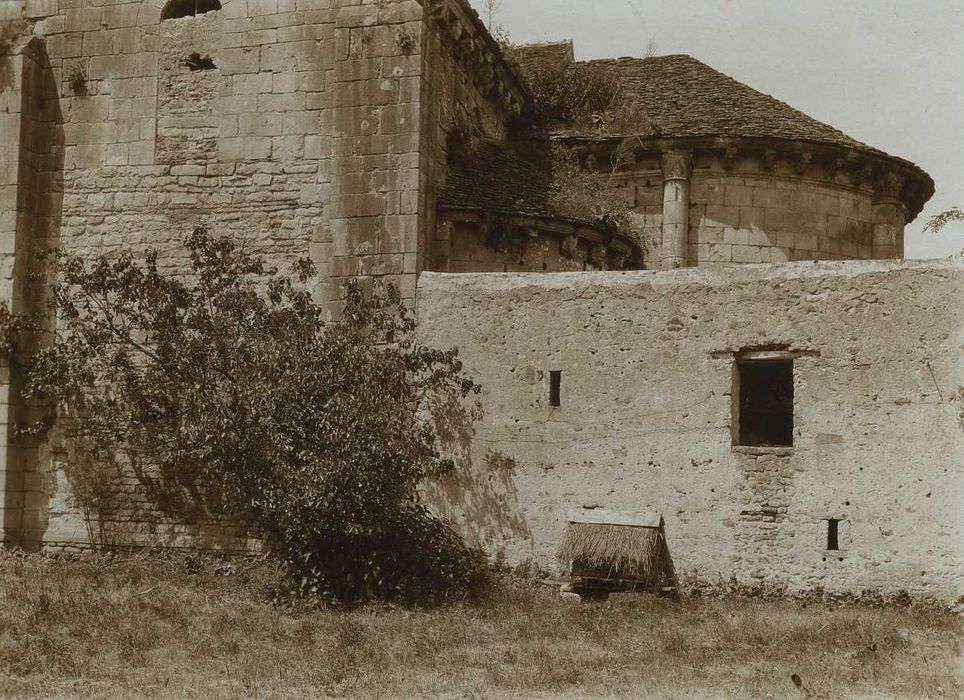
(228, 392)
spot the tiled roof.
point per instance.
(685, 97)
(543, 56)
(493, 177)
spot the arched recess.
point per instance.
(152, 10)
(175, 9)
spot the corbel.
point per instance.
(769, 159)
(804, 158)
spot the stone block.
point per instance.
(102, 67)
(259, 124)
(747, 254)
(99, 43)
(736, 236)
(117, 154)
(38, 9)
(803, 200)
(281, 103)
(122, 16)
(770, 197)
(739, 196)
(244, 60)
(127, 40)
(257, 147)
(84, 19)
(287, 148)
(253, 83)
(752, 217)
(722, 215)
(84, 156)
(230, 149)
(141, 153)
(262, 7)
(65, 45)
(317, 147)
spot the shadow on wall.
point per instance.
(478, 496)
(40, 186)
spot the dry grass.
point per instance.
(618, 551)
(194, 628)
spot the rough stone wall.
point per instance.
(647, 362)
(293, 126)
(31, 167)
(153, 148)
(376, 87)
(454, 107)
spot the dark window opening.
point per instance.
(198, 62)
(555, 384)
(832, 528)
(188, 8)
(765, 389)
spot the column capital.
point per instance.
(887, 188)
(676, 165)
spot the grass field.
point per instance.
(183, 627)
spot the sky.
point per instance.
(889, 73)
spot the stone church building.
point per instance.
(751, 356)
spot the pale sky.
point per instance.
(889, 73)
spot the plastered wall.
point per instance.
(645, 421)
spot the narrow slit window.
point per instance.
(833, 542)
(176, 9)
(765, 403)
(555, 387)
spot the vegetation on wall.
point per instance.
(228, 393)
(10, 31)
(580, 98)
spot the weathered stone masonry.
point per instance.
(376, 137)
(647, 362)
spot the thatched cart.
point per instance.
(607, 551)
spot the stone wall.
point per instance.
(751, 212)
(31, 173)
(647, 362)
(457, 109)
(762, 217)
(156, 143)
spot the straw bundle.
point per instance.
(617, 552)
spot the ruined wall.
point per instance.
(645, 418)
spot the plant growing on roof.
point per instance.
(228, 392)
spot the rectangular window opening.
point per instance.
(555, 383)
(832, 529)
(764, 403)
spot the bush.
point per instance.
(228, 392)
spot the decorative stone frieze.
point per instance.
(472, 240)
(461, 28)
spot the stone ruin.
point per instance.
(750, 356)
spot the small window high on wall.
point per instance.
(188, 8)
(763, 399)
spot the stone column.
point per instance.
(677, 168)
(888, 218)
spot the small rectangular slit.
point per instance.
(832, 543)
(555, 383)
